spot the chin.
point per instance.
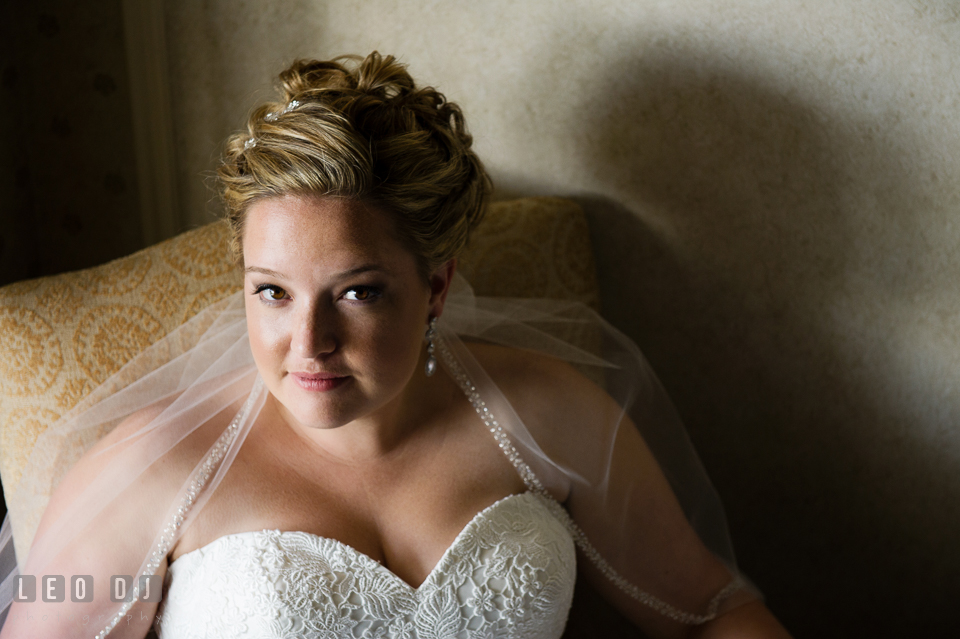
(316, 411)
(322, 415)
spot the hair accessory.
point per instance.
(431, 366)
(293, 104)
(272, 117)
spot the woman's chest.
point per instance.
(509, 573)
(404, 514)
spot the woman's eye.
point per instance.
(271, 293)
(361, 294)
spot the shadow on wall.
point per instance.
(766, 238)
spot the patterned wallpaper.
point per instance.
(68, 192)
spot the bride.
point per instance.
(358, 446)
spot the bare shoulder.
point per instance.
(124, 442)
(133, 445)
(543, 388)
(107, 450)
(508, 360)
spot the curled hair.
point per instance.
(361, 128)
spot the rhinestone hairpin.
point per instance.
(271, 117)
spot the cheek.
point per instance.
(392, 349)
(266, 340)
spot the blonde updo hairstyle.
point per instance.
(360, 128)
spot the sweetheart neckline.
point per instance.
(364, 557)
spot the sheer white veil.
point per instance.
(182, 387)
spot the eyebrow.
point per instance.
(365, 268)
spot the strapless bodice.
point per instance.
(509, 573)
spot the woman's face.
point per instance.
(336, 308)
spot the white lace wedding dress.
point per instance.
(509, 573)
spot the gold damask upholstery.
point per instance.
(62, 336)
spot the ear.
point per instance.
(440, 281)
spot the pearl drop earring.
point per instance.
(431, 366)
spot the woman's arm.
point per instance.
(634, 520)
(114, 543)
(742, 616)
(751, 620)
(658, 549)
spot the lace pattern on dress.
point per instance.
(509, 573)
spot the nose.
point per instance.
(314, 333)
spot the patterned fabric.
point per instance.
(62, 336)
(534, 247)
(509, 573)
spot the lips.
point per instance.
(319, 382)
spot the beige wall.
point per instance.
(773, 189)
